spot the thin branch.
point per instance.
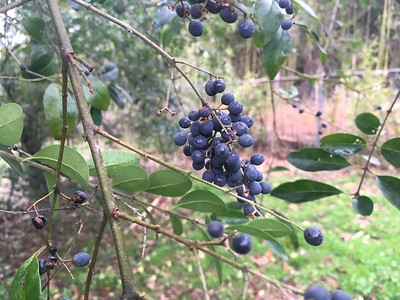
(194, 244)
(130, 290)
(201, 273)
(12, 5)
(375, 144)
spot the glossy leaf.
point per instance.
(363, 205)
(52, 102)
(316, 159)
(278, 169)
(256, 232)
(304, 190)
(26, 284)
(390, 188)
(391, 151)
(273, 227)
(113, 161)
(44, 64)
(211, 247)
(231, 216)
(148, 214)
(73, 165)
(204, 201)
(35, 27)
(14, 164)
(171, 31)
(367, 123)
(321, 51)
(109, 72)
(101, 97)
(97, 115)
(306, 8)
(269, 16)
(177, 226)
(169, 183)
(343, 144)
(131, 179)
(277, 249)
(276, 51)
(11, 123)
(115, 95)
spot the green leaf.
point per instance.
(26, 284)
(14, 164)
(390, 188)
(177, 226)
(306, 8)
(169, 183)
(278, 169)
(304, 190)
(73, 165)
(204, 201)
(276, 51)
(43, 64)
(171, 31)
(363, 205)
(148, 214)
(101, 97)
(211, 247)
(368, 123)
(52, 102)
(321, 51)
(343, 144)
(391, 151)
(35, 27)
(256, 232)
(131, 179)
(269, 16)
(316, 159)
(11, 123)
(113, 161)
(277, 249)
(273, 227)
(97, 115)
(231, 216)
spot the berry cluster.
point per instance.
(241, 243)
(198, 12)
(210, 139)
(289, 9)
(319, 292)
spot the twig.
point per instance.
(201, 273)
(12, 5)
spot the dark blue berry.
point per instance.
(324, 125)
(283, 3)
(233, 161)
(182, 10)
(196, 11)
(198, 166)
(200, 142)
(221, 150)
(208, 175)
(301, 110)
(213, 6)
(184, 122)
(286, 24)
(290, 9)
(220, 179)
(250, 173)
(219, 85)
(249, 209)
(193, 115)
(39, 221)
(228, 14)
(207, 128)
(186, 150)
(180, 139)
(240, 128)
(266, 187)
(195, 128)
(318, 113)
(23, 67)
(340, 295)
(316, 292)
(42, 267)
(313, 236)
(53, 250)
(246, 29)
(196, 28)
(260, 176)
(81, 259)
(198, 156)
(235, 107)
(242, 243)
(257, 159)
(209, 88)
(204, 112)
(255, 188)
(247, 120)
(227, 98)
(246, 140)
(215, 229)
(79, 197)
(235, 118)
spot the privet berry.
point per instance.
(182, 9)
(246, 29)
(53, 250)
(242, 243)
(215, 229)
(39, 221)
(196, 28)
(42, 267)
(286, 24)
(79, 197)
(313, 236)
(316, 292)
(81, 259)
(340, 295)
(23, 67)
